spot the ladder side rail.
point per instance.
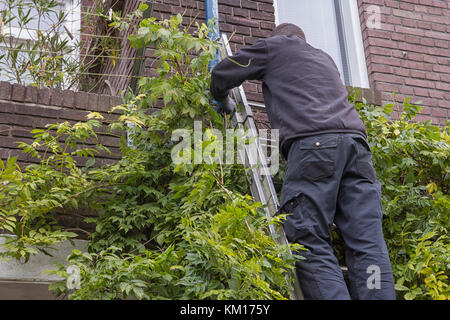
(262, 187)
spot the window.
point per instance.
(334, 27)
(55, 23)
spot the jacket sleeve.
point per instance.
(249, 63)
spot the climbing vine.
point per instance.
(190, 230)
(164, 230)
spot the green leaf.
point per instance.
(410, 296)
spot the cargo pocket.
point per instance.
(318, 157)
(364, 160)
(295, 217)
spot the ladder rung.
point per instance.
(261, 185)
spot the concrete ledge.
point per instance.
(26, 280)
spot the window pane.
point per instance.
(7, 72)
(42, 18)
(318, 20)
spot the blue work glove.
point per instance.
(227, 106)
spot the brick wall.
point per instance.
(248, 20)
(23, 108)
(410, 53)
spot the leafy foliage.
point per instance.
(190, 231)
(412, 163)
(40, 43)
(164, 231)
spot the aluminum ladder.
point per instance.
(261, 185)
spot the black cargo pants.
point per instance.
(330, 179)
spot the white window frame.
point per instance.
(72, 23)
(354, 54)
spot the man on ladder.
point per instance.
(329, 175)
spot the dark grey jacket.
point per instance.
(303, 92)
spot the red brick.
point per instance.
(388, 78)
(444, 104)
(441, 68)
(393, 20)
(424, 25)
(176, 2)
(419, 8)
(437, 19)
(31, 94)
(437, 35)
(18, 92)
(381, 68)
(260, 33)
(5, 90)
(431, 76)
(37, 110)
(398, 37)
(429, 59)
(406, 90)
(242, 21)
(81, 100)
(239, 12)
(267, 25)
(385, 60)
(225, 9)
(382, 43)
(104, 103)
(438, 52)
(233, 3)
(407, 14)
(260, 15)
(445, 77)
(378, 33)
(417, 65)
(439, 27)
(412, 39)
(390, 3)
(421, 92)
(418, 74)
(442, 44)
(426, 2)
(44, 95)
(56, 97)
(409, 23)
(379, 51)
(443, 86)
(436, 94)
(249, 4)
(407, 6)
(68, 98)
(422, 118)
(435, 11)
(77, 115)
(4, 129)
(426, 42)
(420, 83)
(406, 30)
(437, 112)
(402, 72)
(266, 7)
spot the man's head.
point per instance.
(288, 29)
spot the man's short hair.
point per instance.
(288, 29)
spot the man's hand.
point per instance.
(227, 106)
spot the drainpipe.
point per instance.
(212, 13)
